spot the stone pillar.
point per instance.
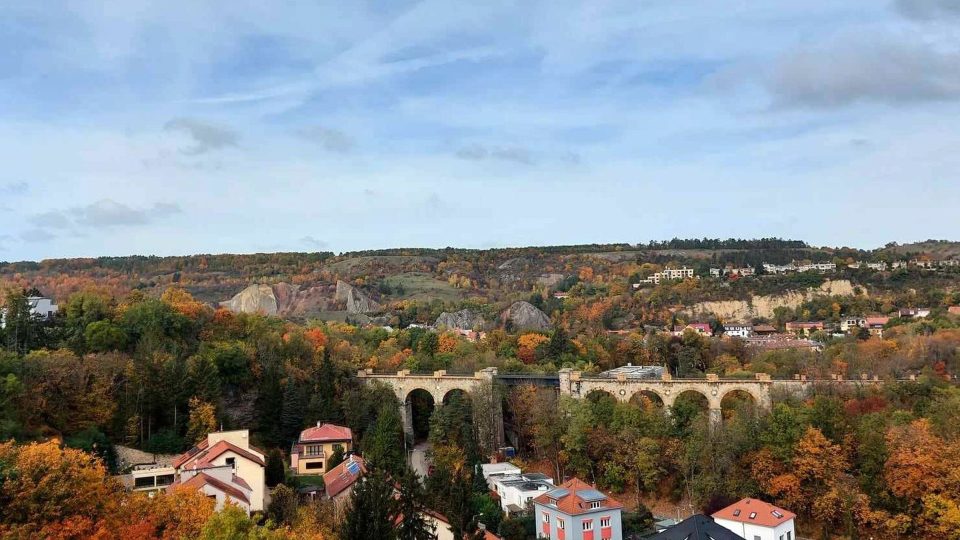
(565, 388)
(490, 374)
(406, 412)
(716, 417)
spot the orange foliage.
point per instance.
(447, 342)
(528, 344)
(316, 337)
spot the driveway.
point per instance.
(418, 458)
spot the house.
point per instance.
(914, 313)
(225, 467)
(757, 520)
(339, 480)
(40, 307)
(697, 527)
(737, 330)
(310, 453)
(847, 324)
(953, 310)
(875, 325)
(561, 295)
(702, 329)
(764, 330)
(577, 511)
(150, 477)
(742, 272)
(669, 274)
(518, 491)
(494, 471)
(804, 328)
(816, 267)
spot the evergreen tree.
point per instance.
(276, 470)
(410, 507)
(371, 511)
(292, 417)
(204, 380)
(269, 403)
(383, 445)
(336, 457)
(559, 343)
(322, 406)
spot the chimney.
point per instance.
(319, 423)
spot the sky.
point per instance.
(191, 126)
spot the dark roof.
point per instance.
(697, 527)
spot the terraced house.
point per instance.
(315, 446)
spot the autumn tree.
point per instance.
(203, 420)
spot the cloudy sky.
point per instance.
(202, 127)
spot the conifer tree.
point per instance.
(410, 509)
(372, 509)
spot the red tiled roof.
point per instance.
(802, 324)
(764, 513)
(204, 458)
(184, 457)
(202, 479)
(339, 478)
(572, 503)
(326, 432)
(879, 321)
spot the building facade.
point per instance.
(225, 466)
(315, 446)
(577, 511)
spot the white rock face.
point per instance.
(356, 300)
(465, 319)
(525, 316)
(253, 299)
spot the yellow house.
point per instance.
(310, 454)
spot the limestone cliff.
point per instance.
(525, 316)
(253, 299)
(763, 306)
(465, 319)
(355, 299)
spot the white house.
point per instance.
(738, 330)
(754, 519)
(40, 306)
(495, 471)
(517, 492)
(225, 466)
(576, 510)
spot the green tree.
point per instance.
(411, 510)
(336, 457)
(371, 513)
(276, 470)
(292, 417)
(383, 445)
(283, 505)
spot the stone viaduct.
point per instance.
(662, 392)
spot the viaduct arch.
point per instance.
(575, 384)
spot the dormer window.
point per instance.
(595, 504)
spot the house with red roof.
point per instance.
(310, 453)
(757, 520)
(225, 467)
(702, 329)
(338, 482)
(575, 510)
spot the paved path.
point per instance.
(418, 458)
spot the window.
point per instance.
(595, 504)
(546, 518)
(736, 512)
(753, 515)
(313, 465)
(559, 523)
(781, 537)
(757, 537)
(789, 535)
(604, 523)
(232, 462)
(588, 525)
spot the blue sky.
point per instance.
(203, 127)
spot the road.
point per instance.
(418, 458)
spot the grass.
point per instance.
(421, 286)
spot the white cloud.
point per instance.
(205, 136)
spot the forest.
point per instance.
(156, 369)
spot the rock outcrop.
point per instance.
(253, 299)
(355, 299)
(525, 316)
(763, 306)
(465, 319)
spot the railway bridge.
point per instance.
(662, 392)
